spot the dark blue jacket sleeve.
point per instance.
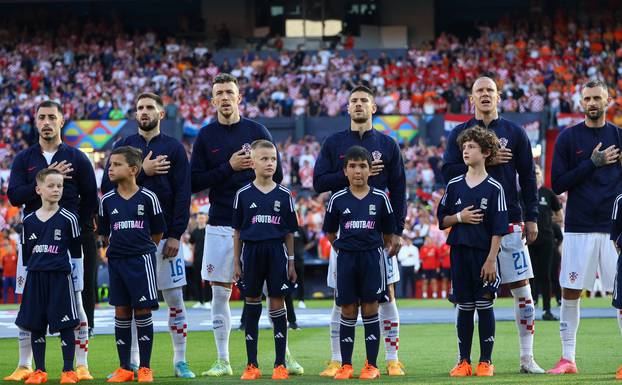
(180, 174)
(497, 211)
(103, 221)
(563, 177)
(397, 188)
(331, 220)
(324, 177)
(157, 223)
(443, 210)
(388, 219)
(616, 222)
(204, 175)
(527, 176)
(20, 191)
(453, 164)
(87, 188)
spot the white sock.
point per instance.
(81, 333)
(619, 311)
(335, 348)
(134, 352)
(568, 326)
(389, 328)
(178, 328)
(25, 349)
(525, 314)
(221, 320)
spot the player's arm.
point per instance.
(179, 175)
(203, 173)
(103, 224)
(563, 177)
(156, 238)
(237, 251)
(26, 248)
(331, 222)
(498, 213)
(489, 270)
(616, 223)
(157, 223)
(525, 167)
(453, 164)
(289, 245)
(87, 188)
(325, 178)
(20, 191)
(331, 238)
(397, 188)
(75, 246)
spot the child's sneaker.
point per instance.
(485, 369)
(145, 375)
(251, 373)
(395, 368)
(564, 366)
(69, 377)
(38, 377)
(122, 375)
(331, 369)
(83, 373)
(619, 373)
(280, 373)
(345, 372)
(19, 374)
(462, 369)
(369, 372)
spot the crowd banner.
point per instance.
(565, 120)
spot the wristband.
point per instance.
(290, 257)
(459, 218)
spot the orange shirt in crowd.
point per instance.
(443, 256)
(429, 259)
(9, 265)
(324, 247)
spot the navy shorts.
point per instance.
(445, 273)
(360, 276)
(48, 300)
(617, 288)
(429, 274)
(265, 261)
(466, 282)
(133, 281)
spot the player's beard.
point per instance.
(150, 125)
(595, 115)
(360, 120)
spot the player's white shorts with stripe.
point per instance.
(77, 273)
(170, 272)
(584, 255)
(513, 260)
(392, 269)
(218, 254)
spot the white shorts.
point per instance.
(513, 260)
(170, 272)
(77, 273)
(392, 269)
(584, 255)
(22, 272)
(218, 254)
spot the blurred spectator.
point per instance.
(9, 270)
(408, 258)
(430, 267)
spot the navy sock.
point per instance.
(486, 331)
(68, 346)
(346, 339)
(279, 321)
(37, 342)
(372, 337)
(123, 337)
(144, 333)
(465, 325)
(251, 330)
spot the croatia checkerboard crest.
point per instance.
(503, 142)
(246, 148)
(376, 155)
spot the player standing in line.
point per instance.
(221, 162)
(79, 196)
(364, 218)
(586, 164)
(131, 220)
(513, 161)
(50, 238)
(264, 219)
(474, 207)
(387, 173)
(165, 172)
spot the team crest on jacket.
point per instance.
(503, 142)
(141, 209)
(372, 209)
(246, 148)
(376, 155)
(277, 206)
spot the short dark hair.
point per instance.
(262, 143)
(225, 78)
(357, 153)
(485, 138)
(52, 104)
(42, 174)
(133, 156)
(362, 88)
(595, 83)
(152, 96)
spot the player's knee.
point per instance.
(369, 308)
(124, 312)
(252, 299)
(277, 303)
(142, 311)
(349, 311)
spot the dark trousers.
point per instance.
(407, 280)
(541, 253)
(556, 287)
(201, 291)
(89, 294)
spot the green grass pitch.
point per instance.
(428, 351)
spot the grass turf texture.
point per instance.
(428, 351)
